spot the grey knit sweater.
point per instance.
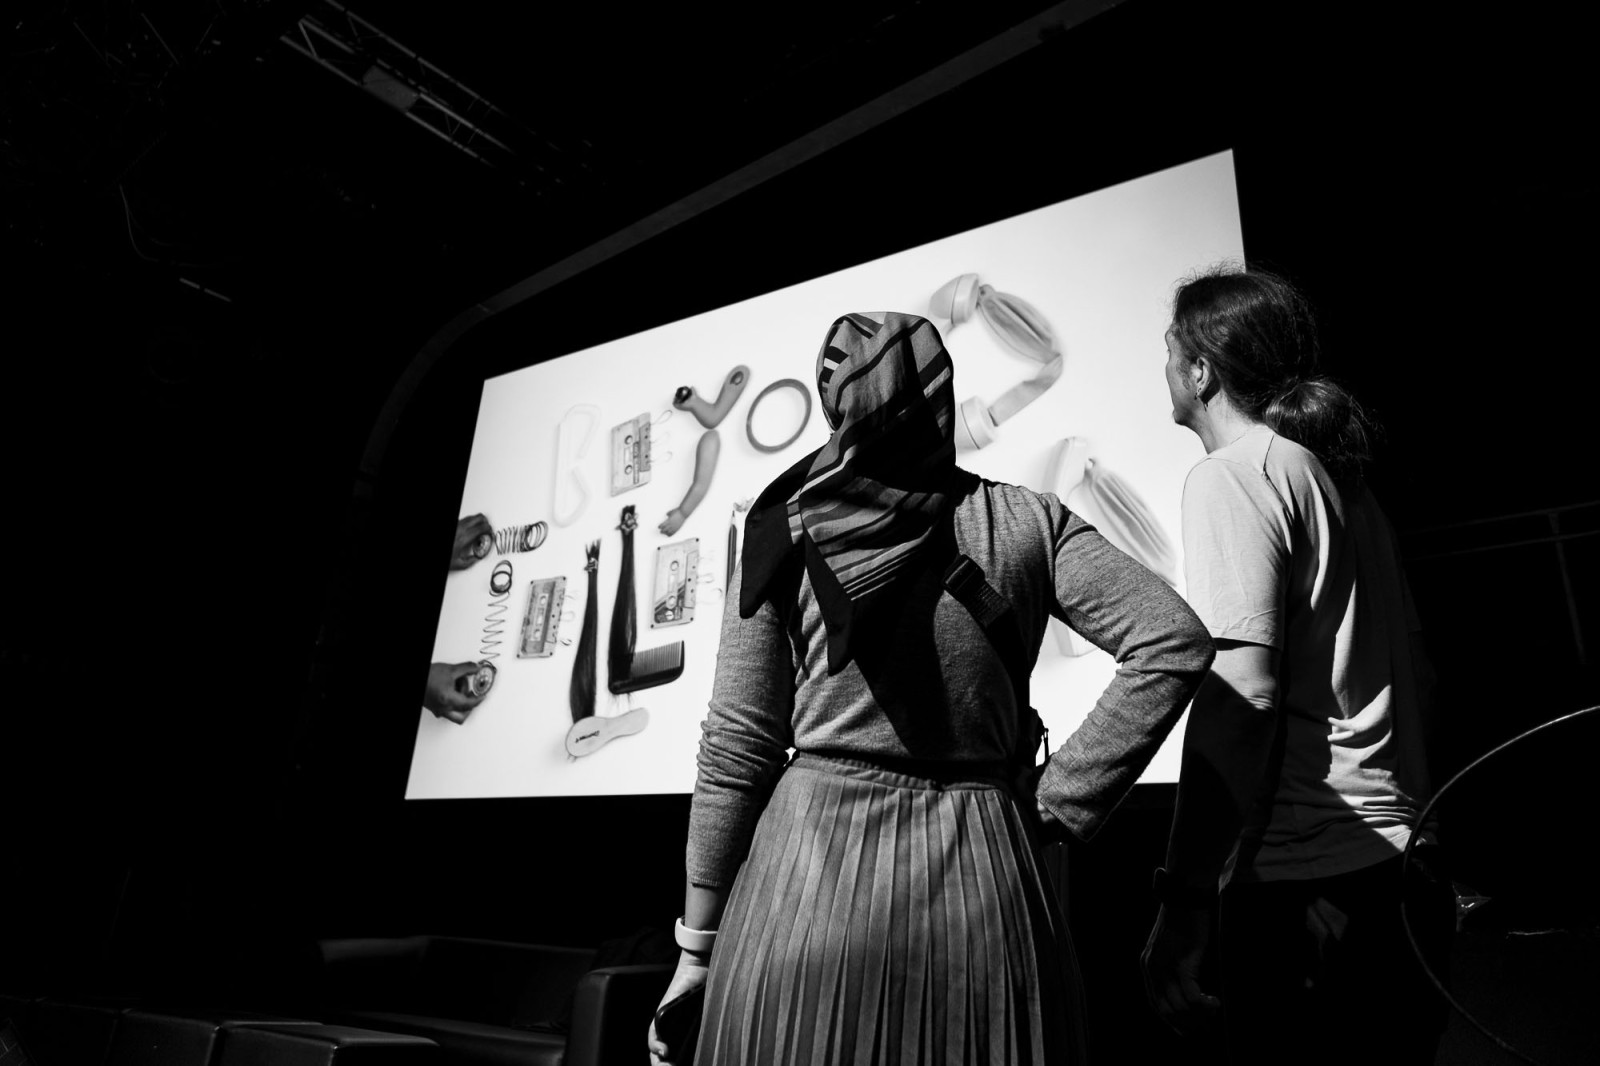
(937, 691)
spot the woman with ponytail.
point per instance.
(1304, 763)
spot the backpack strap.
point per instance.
(965, 580)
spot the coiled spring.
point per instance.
(520, 538)
(495, 620)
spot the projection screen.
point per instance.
(559, 450)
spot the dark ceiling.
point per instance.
(197, 146)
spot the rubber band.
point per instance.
(750, 418)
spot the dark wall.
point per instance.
(193, 780)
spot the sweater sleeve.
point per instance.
(1162, 651)
(744, 740)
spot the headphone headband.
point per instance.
(1021, 327)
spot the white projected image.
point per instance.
(647, 448)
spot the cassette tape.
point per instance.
(546, 596)
(630, 454)
(677, 567)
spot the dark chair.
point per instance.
(323, 1045)
(163, 1037)
(492, 1002)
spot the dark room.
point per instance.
(892, 531)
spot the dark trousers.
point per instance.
(1321, 970)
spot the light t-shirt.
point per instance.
(1275, 554)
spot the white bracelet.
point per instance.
(698, 941)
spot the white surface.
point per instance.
(1101, 267)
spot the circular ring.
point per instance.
(500, 578)
(750, 418)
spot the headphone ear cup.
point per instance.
(956, 299)
(975, 428)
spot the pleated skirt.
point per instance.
(886, 918)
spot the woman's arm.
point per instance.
(1226, 748)
(1162, 652)
(702, 913)
(1236, 551)
(702, 906)
(744, 742)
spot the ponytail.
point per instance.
(1321, 416)
(1259, 333)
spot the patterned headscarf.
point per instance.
(861, 506)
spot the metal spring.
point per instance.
(495, 620)
(520, 538)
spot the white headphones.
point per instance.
(1021, 327)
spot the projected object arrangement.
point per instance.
(1065, 393)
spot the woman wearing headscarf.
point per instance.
(879, 898)
(1304, 762)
